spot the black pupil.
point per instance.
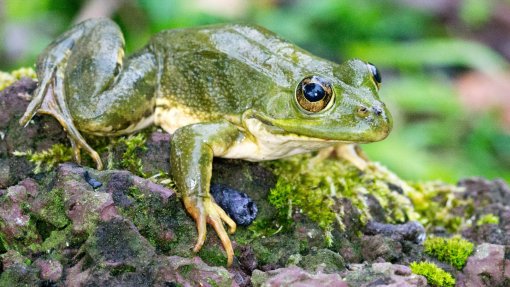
(313, 92)
(375, 73)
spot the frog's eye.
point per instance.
(313, 94)
(376, 76)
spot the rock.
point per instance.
(16, 270)
(322, 260)
(295, 277)
(410, 231)
(238, 205)
(50, 270)
(489, 197)
(488, 266)
(41, 133)
(382, 275)
(190, 272)
(379, 247)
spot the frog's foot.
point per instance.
(209, 212)
(49, 99)
(350, 152)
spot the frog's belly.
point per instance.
(269, 146)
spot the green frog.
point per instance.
(231, 91)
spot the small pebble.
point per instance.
(238, 205)
(93, 182)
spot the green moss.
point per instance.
(185, 270)
(487, 219)
(454, 251)
(130, 160)
(212, 282)
(310, 186)
(6, 79)
(46, 160)
(213, 256)
(54, 209)
(435, 202)
(435, 275)
(57, 240)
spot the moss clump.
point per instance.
(54, 209)
(310, 186)
(435, 275)
(454, 251)
(46, 160)
(6, 79)
(487, 219)
(130, 160)
(435, 203)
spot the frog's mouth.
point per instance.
(346, 130)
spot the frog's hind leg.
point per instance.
(52, 69)
(53, 103)
(51, 58)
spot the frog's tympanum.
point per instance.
(231, 91)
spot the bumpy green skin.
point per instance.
(226, 90)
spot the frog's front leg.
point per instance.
(192, 150)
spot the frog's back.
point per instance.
(225, 69)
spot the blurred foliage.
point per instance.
(419, 52)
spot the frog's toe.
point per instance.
(210, 212)
(200, 220)
(224, 216)
(215, 219)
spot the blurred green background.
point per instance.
(444, 63)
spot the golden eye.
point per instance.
(376, 76)
(313, 94)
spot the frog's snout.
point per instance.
(378, 118)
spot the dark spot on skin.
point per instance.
(238, 205)
(93, 182)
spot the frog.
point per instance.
(234, 91)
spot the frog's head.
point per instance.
(345, 107)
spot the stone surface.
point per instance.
(410, 231)
(378, 247)
(488, 266)
(295, 277)
(489, 197)
(382, 275)
(50, 270)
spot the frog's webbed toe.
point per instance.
(49, 99)
(210, 212)
(350, 152)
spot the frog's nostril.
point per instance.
(377, 110)
(362, 111)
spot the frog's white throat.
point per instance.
(259, 143)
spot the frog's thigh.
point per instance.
(105, 94)
(93, 62)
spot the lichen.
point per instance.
(6, 79)
(46, 160)
(488, 218)
(454, 251)
(435, 275)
